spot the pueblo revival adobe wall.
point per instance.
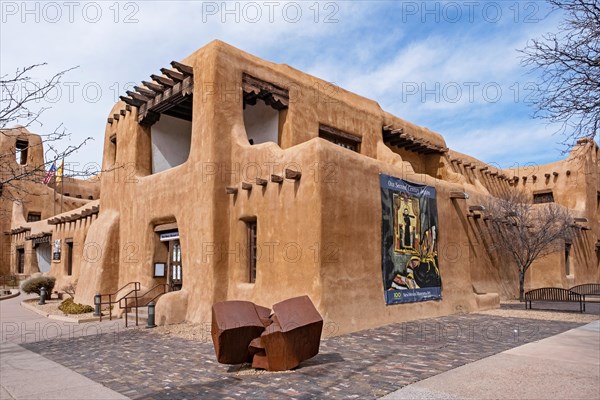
(229, 177)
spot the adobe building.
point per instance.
(229, 177)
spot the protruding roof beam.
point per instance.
(131, 101)
(163, 80)
(185, 69)
(176, 76)
(154, 86)
(137, 96)
(144, 91)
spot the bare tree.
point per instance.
(568, 62)
(524, 231)
(20, 101)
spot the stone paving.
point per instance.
(368, 364)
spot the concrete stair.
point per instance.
(142, 316)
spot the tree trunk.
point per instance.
(522, 285)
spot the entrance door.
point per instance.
(44, 256)
(20, 261)
(175, 274)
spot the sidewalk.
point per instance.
(454, 357)
(26, 375)
(565, 366)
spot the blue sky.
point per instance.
(451, 66)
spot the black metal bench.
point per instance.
(555, 294)
(587, 289)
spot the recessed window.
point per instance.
(568, 259)
(171, 140)
(90, 197)
(339, 137)
(265, 110)
(251, 230)
(20, 260)
(69, 243)
(543, 197)
(21, 151)
(34, 216)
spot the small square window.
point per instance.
(339, 137)
(21, 151)
(543, 197)
(34, 216)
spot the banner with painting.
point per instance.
(409, 241)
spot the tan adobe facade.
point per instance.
(249, 180)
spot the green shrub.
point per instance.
(36, 283)
(70, 307)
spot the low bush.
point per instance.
(36, 283)
(70, 307)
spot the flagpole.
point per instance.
(62, 185)
(54, 194)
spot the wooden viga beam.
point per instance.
(137, 96)
(184, 69)
(175, 75)
(163, 80)
(145, 91)
(131, 101)
(158, 88)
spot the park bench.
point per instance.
(587, 289)
(554, 294)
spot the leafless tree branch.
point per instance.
(568, 62)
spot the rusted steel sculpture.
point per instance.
(245, 332)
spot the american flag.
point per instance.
(51, 172)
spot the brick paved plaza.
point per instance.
(143, 365)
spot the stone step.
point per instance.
(142, 315)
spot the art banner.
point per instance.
(409, 241)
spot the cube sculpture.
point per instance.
(245, 332)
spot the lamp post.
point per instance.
(42, 296)
(97, 301)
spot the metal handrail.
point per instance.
(137, 297)
(8, 280)
(136, 287)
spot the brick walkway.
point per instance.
(363, 365)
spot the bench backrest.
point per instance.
(553, 294)
(587, 288)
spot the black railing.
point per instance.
(136, 288)
(141, 300)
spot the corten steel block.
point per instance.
(234, 325)
(264, 314)
(294, 335)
